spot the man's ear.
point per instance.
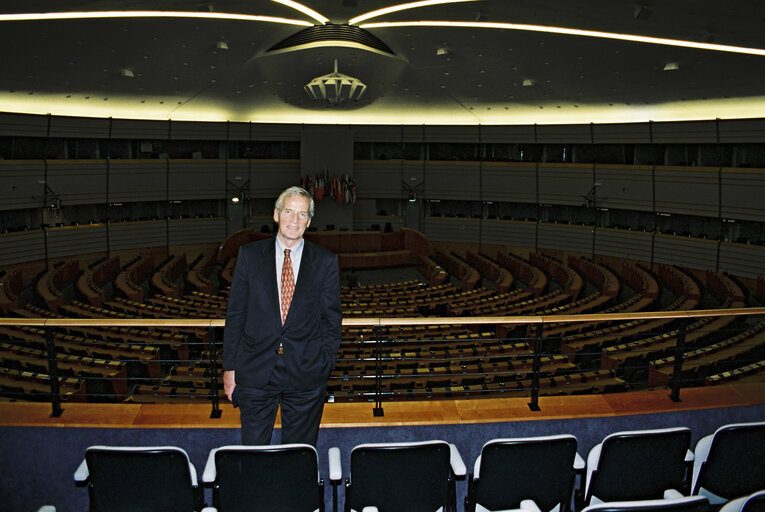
(308, 223)
(276, 215)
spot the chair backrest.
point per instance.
(752, 503)
(539, 468)
(149, 479)
(735, 463)
(639, 465)
(394, 477)
(685, 504)
(268, 478)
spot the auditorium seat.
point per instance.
(278, 477)
(402, 476)
(729, 463)
(510, 470)
(654, 460)
(149, 479)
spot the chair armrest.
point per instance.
(689, 456)
(210, 473)
(529, 506)
(672, 494)
(455, 459)
(579, 464)
(335, 466)
(82, 473)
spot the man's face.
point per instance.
(293, 219)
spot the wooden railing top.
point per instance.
(393, 321)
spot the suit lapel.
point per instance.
(270, 288)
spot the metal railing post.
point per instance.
(678, 366)
(55, 398)
(534, 404)
(378, 409)
(216, 411)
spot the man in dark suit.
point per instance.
(279, 345)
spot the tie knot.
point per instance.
(287, 252)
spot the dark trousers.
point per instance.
(301, 410)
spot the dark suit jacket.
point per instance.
(311, 333)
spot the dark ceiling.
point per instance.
(221, 69)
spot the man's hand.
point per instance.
(229, 383)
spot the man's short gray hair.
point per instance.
(295, 191)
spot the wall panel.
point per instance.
(197, 130)
(22, 246)
(138, 180)
(689, 191)
(440, 229)
(512, 182)
(564, 134)
(197, 179)
(684, 131)
(742, 260)
(565, 237)
(564, 184)
(71, 241)
(196, 231)
(623, 244)
(382, 179)
(511, 233)
(511, 134)
(741, 130)
(23, 125)
(134, 235)
(685, 251)
(78, 181)
(452, 180)
(86, 127)
(271, 177)
(625, 188)
(743, 194)
(621, 133)
(22, 183)
(140, 129)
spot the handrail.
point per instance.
(390, 321)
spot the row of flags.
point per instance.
(338, 187)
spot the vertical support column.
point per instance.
(378, 409)
(55, 398)
(534, 404)
(678, 367)
(216, 411)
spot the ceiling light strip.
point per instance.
(401, 7)
(571, 31)
(41, 16)
(305, 10)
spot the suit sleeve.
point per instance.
(236, 312)
(331, 311)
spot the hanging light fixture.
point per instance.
(335, 87)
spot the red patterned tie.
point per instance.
(288, 284)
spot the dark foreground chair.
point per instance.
(509, 471)
(638, 465)
(730, 463)
(397, 477)
(273, 478)
(149, 479)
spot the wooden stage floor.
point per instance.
(437, 412)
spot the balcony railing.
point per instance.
(136, 360)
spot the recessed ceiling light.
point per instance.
(671, 66)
